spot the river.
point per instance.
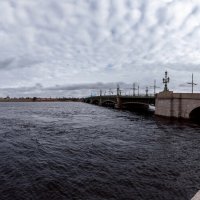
(80, 151)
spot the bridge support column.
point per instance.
(165, 104)
(119, 103)
(176, 105)
(100, 101)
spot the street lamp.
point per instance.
(166, 81)
(192, 83)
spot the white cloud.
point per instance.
(87, 41)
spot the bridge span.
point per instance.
(167, 103)
(122, 102)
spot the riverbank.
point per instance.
(35, 99)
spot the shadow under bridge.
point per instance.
(137, 103)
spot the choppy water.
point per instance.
(79, 151)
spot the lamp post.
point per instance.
(154, 87)
(134, 88)
(118, 90)
(147, 90)
(100, 93)
(166, 81)
(192, 83)
(110, 92)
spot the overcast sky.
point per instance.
(70, 47)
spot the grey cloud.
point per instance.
(88, 86)
(67, 43)
(24, 89)
(6, 63)
(63, 90)
(20, 62)
(195, 11)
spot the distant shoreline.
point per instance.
(40, 99)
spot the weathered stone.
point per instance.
(177, 105)
(197, 196)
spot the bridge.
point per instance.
(167, 103)
(122, 102)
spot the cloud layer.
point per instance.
(65, 43)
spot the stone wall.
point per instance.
(178, 105)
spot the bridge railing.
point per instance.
(114, 95)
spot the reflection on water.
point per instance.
(80, 151)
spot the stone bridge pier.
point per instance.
(178, 105)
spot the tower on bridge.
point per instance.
(166, 81)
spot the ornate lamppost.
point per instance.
(166, 81)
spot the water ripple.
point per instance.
(79, 151)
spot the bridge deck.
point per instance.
(128, 97)
(121, 101)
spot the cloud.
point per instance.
(77, 90)
(6, 63)
(90, 41)
(96, 86)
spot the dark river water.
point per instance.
(79, 151)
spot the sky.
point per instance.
(77, 47)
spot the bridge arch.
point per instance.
(95, 102)
(195, 114)
(109, 103)
(136, 106)
(87, 100)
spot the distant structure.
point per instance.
(166, 81)
(134, 89)
(147, 90)
(192, 83)
(178, 105)
(167, 103)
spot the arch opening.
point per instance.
(134, 106)
(87, 100)
(195, 115)
(95, 102)
(110, 104)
